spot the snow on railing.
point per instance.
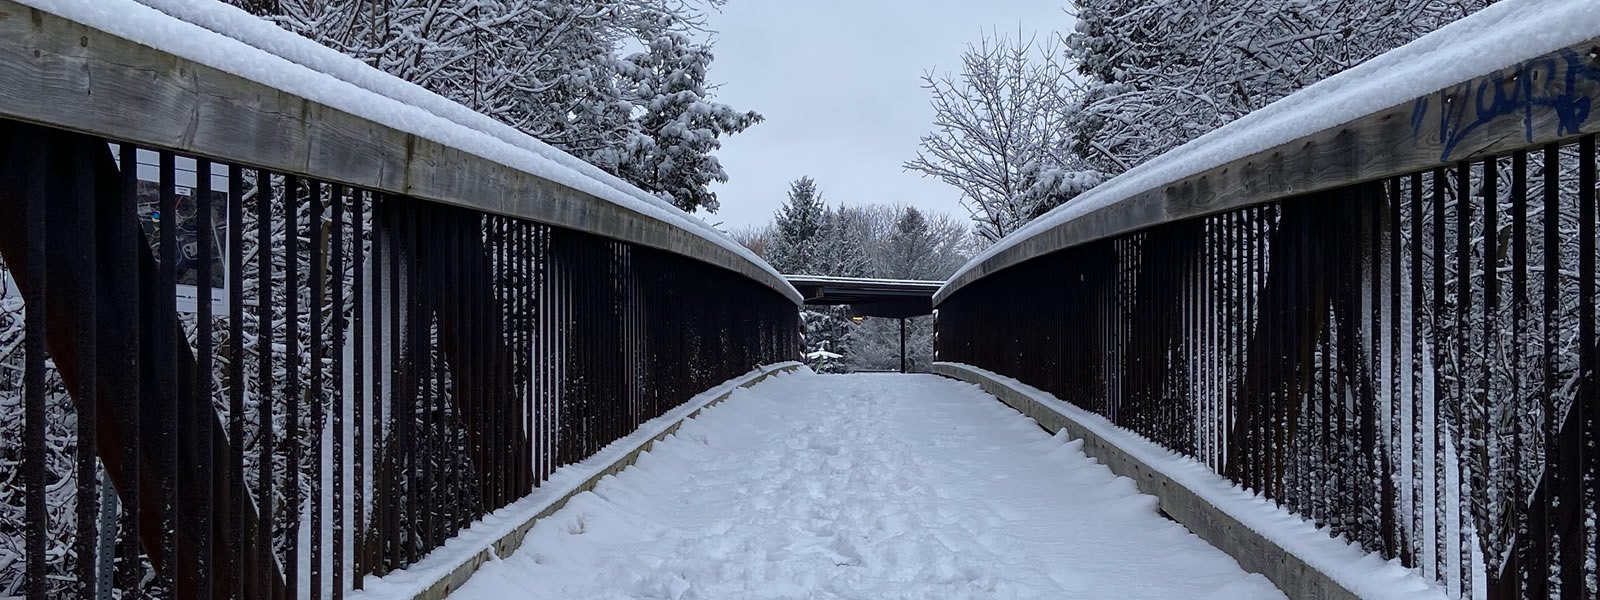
(230, 40)
(1409, 87)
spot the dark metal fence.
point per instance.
(352, 379)
(1408, 360)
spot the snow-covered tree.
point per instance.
(678, 124)
(557, 70)
(879, 240)
(1160, 73)
(799, 224)
(1001, 133)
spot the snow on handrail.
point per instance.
(225, 38)
(1374, 120)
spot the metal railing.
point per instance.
(1386, 326)
(293, 368)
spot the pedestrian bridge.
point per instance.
(277, 325)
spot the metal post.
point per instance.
(902, 344)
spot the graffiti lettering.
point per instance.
(1549, 83)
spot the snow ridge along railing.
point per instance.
(208, 79)
(501, 533)
(1448, 96)
(1264, 538)
(1373, 303)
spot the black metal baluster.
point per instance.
(318, 279)
(395, 455)
(1483, 404)
(376, 549)
(128, 243)
(85, 192)
(1519, 508)
(237, 543)
(359, 564)
(1579, 477)
(34, 206)
(1436, 320)
(336, 281)
(293, 391)
(201, 424)
(1459, 331)
(166, 334)
(1416, 311)
(264, 303)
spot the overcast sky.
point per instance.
(839, 83)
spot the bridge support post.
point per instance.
(902, 344)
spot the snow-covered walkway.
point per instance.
(863, 486)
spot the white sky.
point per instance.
(839, 83)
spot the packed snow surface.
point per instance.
(1502, 35)
(863, 486)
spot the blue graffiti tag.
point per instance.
(1497, 96)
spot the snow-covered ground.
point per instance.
(863, 486)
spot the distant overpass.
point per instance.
(888, 298)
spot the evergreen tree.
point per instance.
(799, 223)
(679, 126)
(842, 252)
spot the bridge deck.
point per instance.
(863, 486)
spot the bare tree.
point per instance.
(1000, 133)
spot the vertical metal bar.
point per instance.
(167, 334)
(1436, 320)
(358, 386)
(264, 522)
(317, 279)
(382, 497)
(395, 467)
(33, 374)
(291, 344)
(203, 381)
(1397, 418)
(88, 493)
(432, 464)
(530, 314)
(1485, 447)
(459, 351)
(1522, 528)
(1381, 465)
(495, 351)
(1415, 311)
(417, 481)
(902, 344)
(338, 334)
(1542, 517)
(236, 383)
(1459, 331)
(1327, 509)
(1579, 476)
(438, 424)
(127, 246)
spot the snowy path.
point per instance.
(863, 486)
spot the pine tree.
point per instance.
(679, 126)
(799, 222)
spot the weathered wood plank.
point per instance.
(1535, 102)
(66, 75)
